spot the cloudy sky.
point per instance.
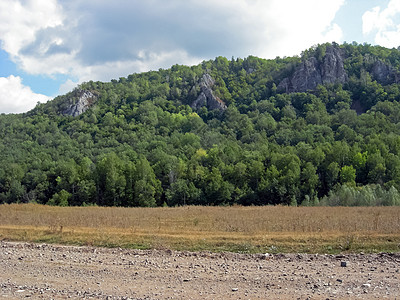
(47, 47)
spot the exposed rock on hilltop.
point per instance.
(82, 100)
(311, 72)
(384, 73)
(206, 96)
(332, 68)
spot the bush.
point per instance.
(60, 198)
(369, 195)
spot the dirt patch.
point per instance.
(59, 272)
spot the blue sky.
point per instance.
(48, 47)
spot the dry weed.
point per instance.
(242, 229)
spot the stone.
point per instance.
(344, 263)
(310, 73)
(81, 101)
(265, 256)
(332, 68)
(381, 72)
(200, 101)
(206, 96)
(384, 73)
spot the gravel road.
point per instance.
(42, 271)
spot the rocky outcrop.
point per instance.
(380, 71)
(384, 73)
(332, 68)
(206, 96)
(311, 72)
(306, 77)
(81, 101)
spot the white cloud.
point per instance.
(294, 26)
(371, 20)
(20, 22)
(67, 86)
(116, 69)
(15, 97)
(382, 23)
(148, 61)
(101, 40)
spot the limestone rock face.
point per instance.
(83, 100)
(311, 73)
(383, 73)
(306, 77)
(332, 69)
(206, 96)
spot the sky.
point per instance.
(48, 47)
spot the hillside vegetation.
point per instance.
(322, 128)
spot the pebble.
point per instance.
(93, 274)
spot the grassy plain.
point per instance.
(269, 229)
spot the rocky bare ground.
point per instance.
(59, 272)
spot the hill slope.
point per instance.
(320, 127)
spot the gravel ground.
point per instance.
(42, 271)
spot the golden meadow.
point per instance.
(269, 229)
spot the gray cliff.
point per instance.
(311, 72)
(80, 102)
(206, 96)
(384, 73)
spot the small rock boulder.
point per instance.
(344, 264)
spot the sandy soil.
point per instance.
(60, 272)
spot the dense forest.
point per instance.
(322, 128)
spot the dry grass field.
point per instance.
(239, 229)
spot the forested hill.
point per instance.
(320, 128)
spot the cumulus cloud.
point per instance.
(15, 97)
(21, 21)
(203, 28)
(101, 40)
(382, 23)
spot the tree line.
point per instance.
(141, 144)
